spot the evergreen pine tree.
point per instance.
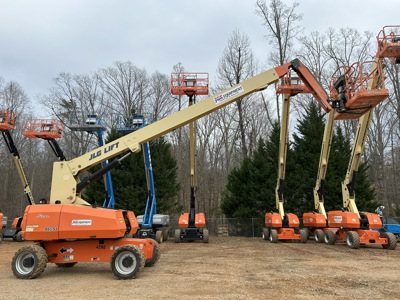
(303, 161)
(250, 188)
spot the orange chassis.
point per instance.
(66, 234)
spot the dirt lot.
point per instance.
(226, 268)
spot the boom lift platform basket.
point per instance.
(46, 129)
(184, 83)
(43, 128)
(389, 43)
(350, 84)
(7, 120)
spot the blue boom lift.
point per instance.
(153, 225)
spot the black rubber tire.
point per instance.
(319, 235)
(329, 237)
(127, 262)
(18, 237)
(273, 236)
(66, 265)
(29, 262)
(177, 235)
(304, 235)
(159, 236)
(265, 233)
(1, 237)
(307, 232)
(205, 235)
(165, 234)
(353, 239)
(155, 257)
(392, 241)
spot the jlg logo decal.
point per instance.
(105, 150)
(81, 222)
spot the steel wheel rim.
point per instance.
(125, 262)
(23, 259)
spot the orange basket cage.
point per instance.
(43, 128)
(292, 85)
(389, 43)
(184, 83)
(7, 120)
(360, 99)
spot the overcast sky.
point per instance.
(41, 38)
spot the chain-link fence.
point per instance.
(251, 227)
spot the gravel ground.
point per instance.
(225, 268)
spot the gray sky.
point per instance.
(41, 38)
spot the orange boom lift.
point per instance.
(7, 123)
(281, 225)
(357, 90)
(192, 225)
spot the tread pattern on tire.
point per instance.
(205, 235)
(353, 240)
(392, 241)
(40, 261)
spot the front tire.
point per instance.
(127, 262)
(392, 241)
(273, 237)
(29, 262)
(265, 234)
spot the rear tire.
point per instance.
(392, 241)
(304, 235)
(165, 234)
(177, 235)
(329, 237)
(159, 236)
(127, 262)
(319, 235)
(353, 239)
(205, 235)
(265, 234)
(29, 262)
(273, 236)
(1, 237)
